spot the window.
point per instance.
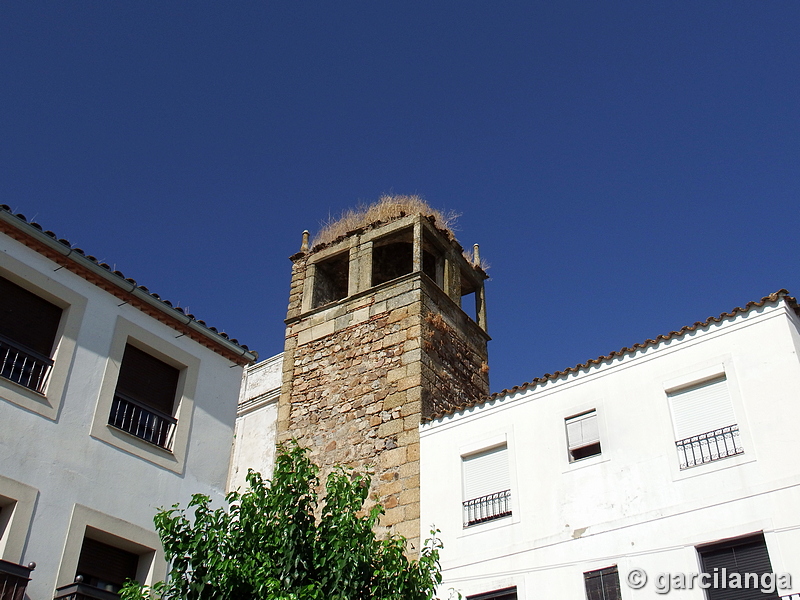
(747, 557)
(392, 256)
(105, 551)
(602, 584)
(487, 486)
(331, 279)
(705, 425)
(28, 327)
(583, 436)
(104, 566)
(504, 594)
(144, 398)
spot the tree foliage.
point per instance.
(272, 543)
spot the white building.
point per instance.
(112, 404)
(626, 477)
(676, 456)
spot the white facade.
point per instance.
(65, 472)
(254, 446)
(632, 505)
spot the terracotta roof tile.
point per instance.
(134, 285)
(780, 294)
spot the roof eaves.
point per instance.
(100, 274)
(780, 294)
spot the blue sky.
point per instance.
(628, 167)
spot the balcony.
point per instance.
(14, 580)
(487, 508)
(82, 591)
(708, 447)
(144, 422)
(24, 366)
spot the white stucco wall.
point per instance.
(631, 505)
(254, 440)
(76, 468)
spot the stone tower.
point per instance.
(377, 342)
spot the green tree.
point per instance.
(269, 544)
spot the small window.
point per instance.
(432, 259)
(392, 256)
(144, 399)
(583, 436)
(504, 594)
(747, 557)
(104, 566)
(28, 327)
(331, 280)
(602, 584)
(487, 486)
(705, 425)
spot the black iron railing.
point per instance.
(14, 580)
(142, 421)
(487, 508)
(82, 591)
(24, 366)
(710, 446)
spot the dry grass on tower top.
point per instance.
(386, 209)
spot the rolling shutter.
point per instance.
(602, 584)
(743, 556)
(27, 319)
(101, 562)
(582, 430)
(486, 473)
(148, 380)
(701, 408)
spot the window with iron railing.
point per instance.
(487, 486)
(705, 426)
(28, 328)
(708, 447)
(144, 399)
(14, 580)
(25, 367)
(487, 508)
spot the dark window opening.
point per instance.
(585, 452)
(432, 259)
(602, 584)
(104, 566)
(331, 280)
(429, 266)
(504, 594)
(743, 556)
(28, 327)
(392, 256)
(469, 297)
(144, 399)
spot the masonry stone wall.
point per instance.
(352, 394)
(361, 373)
(455, 359)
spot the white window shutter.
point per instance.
(582, 430)
(486, 473)
(701, 408)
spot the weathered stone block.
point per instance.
(394, 516)
(390, 428)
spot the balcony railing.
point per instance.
(82, 591)
(14, 580)
(487, 508)
(708, 447)
(142, 421)
(24, 366)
